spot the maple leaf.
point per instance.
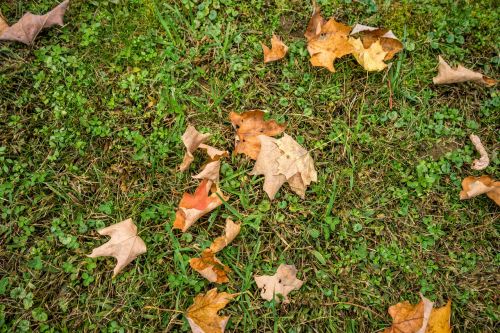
(29, 26)
(284, 160)
(281, 283)
(194, 206)
(447, 75)
(474, 186)
(211, 169)
(374, 46)
(192, 139)
(484, 161)
(210, 267)
(249, 125)
(420, 318)
(315, 23)
(202, 314)
(278, 50)
(329, 44)
(124, 244)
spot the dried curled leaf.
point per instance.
(194, 206)
(210, 267)
(315, 23)
(249, 125)
(211, 169)
(447, 75)
(484, 160)
(124, 244)
(29, 26)
(420, 318)
(474, 186)
(281, 283)
(278, 50)
(202, 314)
(232, 230)
(329, 44)
(284, 160)
(192, 139)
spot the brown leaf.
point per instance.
(284, 160)
(277, 51)
(281, 283)
(408, 318)
(202, 314)
(192, 207)
(232, 230)
(474, 186)
(124, 244)
(211, 169)
(210, 267)
(249, 125)
(192, 139)
(29, 26)
(420, 318)
(315, 23)
(447, 75)
(331, 43)
(484, 161)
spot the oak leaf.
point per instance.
(284, 160)
(192, 139)
(329, 44)
(484, 160)
(211, 169)
(210, 267)
(447, 75)
(281, 283)
(277, 51)
(249, 125)
(474, 186)
(420, 318)
(29, 26)
(193, 206)
(124, 244)
(202, 314)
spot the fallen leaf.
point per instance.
(315, 23)
(211, 169)
(277, 51)
(281, 283)
(374, 46)
(194, 206)
(408, 318)
(420, 318)
(474, 186)
(232, 230)
(439, 322)
(202, 314)
(484, 160)
(284, 160)
(447, 75)
(192, 139)
(330, 44)
(249, 125)
(124, 244)
(210, 267)
(29, 26)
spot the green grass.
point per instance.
(90, 124)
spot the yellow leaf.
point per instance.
(371, 58)
(202, 314)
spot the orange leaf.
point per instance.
(202, 314)
(474, 186)
(249, 125)
(232, 230)
(192, 207)
(277, 51)
(408, 318)
(210, 267)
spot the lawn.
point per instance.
(91, 118)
